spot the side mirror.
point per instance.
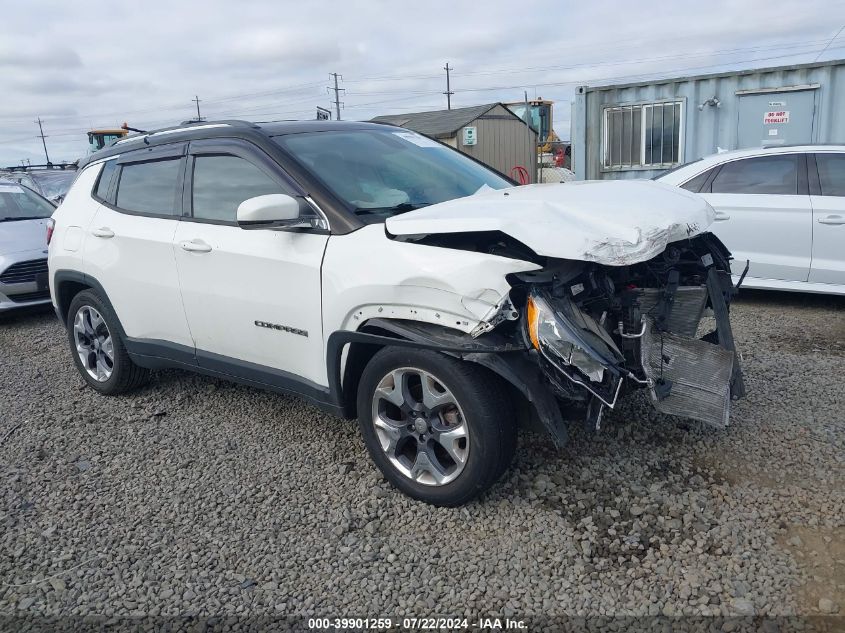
(277, 211)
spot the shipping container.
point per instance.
(639, 130)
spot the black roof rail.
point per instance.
(59, 166)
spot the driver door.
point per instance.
(252, 297)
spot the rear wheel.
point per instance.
(97, 348)
(440, 429)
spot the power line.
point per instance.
(652, 75)
(829, 43)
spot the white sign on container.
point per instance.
(470, 135)
(773, 117)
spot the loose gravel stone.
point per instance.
(196, 496)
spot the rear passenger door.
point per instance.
(763, 215)
(129, 249)
(827, 186)
(252, 297)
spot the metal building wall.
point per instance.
(711, 128)
(503, 142)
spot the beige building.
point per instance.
(490, 133)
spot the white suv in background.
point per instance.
(780, 209)
(385, 276)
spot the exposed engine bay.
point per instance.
(596, 329)
(627, 290)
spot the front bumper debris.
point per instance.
(687, 377)
(603, 326)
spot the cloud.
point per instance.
(97, 63)
(23, 54)
(279, 45)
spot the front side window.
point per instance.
(149, 187)
(379, 173)
(642, 135)
(760, 175)
(222, 182)
(831, 174)
(19, 203)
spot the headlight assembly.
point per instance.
(554, 338)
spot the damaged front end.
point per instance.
(597, 330)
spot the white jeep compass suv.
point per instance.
(385, 276)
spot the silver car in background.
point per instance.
(24, 218)
(52, 181)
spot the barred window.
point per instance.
(643, 135)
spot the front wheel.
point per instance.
(440, 429)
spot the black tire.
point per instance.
(126, 375)
(487, 412)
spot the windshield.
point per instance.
(380, 173)
(19, 203)
(54, 184)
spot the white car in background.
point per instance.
(781, 209)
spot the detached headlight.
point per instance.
(559, 341)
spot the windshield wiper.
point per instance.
(16, 218)
(399, 208)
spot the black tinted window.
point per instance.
(831, 174)
(149, 187)
(696, 183)
(766, 174)
(221, 183)
(103, 183)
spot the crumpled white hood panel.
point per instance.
(612, 222)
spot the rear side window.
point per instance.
(221, 183)
(101, 191)
(697, 183)
(831, 174)
(761, 175)
(149, 187)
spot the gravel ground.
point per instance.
(195, 496)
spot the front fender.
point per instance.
(511, 362)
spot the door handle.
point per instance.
(194, 246)
(721, 216)
(103, 231)
(832, 219)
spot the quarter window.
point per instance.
(831, 174)
(221, 183)
(761, 175)
(102, 189)
(149, 187)
(697, 183)
(643, 135)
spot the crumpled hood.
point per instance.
(23, 235)
(615, 223)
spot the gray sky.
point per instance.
(91, 63)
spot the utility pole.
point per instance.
(448, 92)
(337, 91)
(43, 142)
(197, 99)
(532, 148)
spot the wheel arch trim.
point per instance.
(511, 363)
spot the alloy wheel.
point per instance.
(93, 343)
(420, 426)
